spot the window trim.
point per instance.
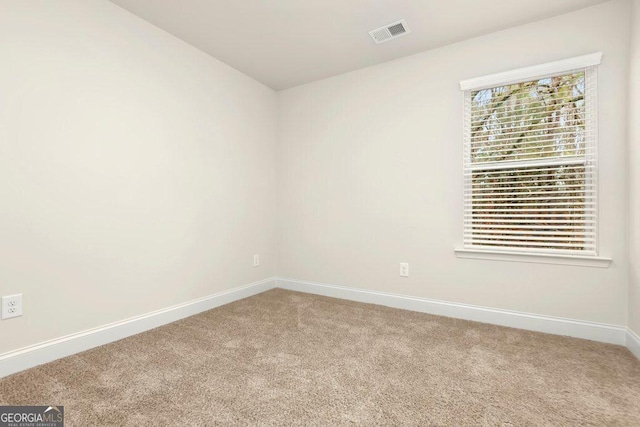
(513, 77)
(533, 72)
(533, 257)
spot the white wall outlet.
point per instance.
(404, 269)
(11, 306)
(256, 260)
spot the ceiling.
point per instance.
(285, 43)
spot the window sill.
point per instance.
(586, 261)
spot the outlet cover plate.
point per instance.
(404, 269)
(11, 306)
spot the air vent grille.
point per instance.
(389, 31)
(397, 29)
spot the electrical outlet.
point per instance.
(11, 306)
(256, 260)
(404, 269)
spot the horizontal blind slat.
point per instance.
(497, 156)
(581, 224)
(562, 163)
(497, 135)
(567, 225)
(511, 121)
(479, 114)
(535, 244)
(508, 168)
(476, 183)
(487, 192)
(523, 144)
(534, 237)
(541, 189)
(532, 204)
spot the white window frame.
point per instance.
(518, 76)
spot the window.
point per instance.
(530, 160)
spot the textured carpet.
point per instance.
(287, 358)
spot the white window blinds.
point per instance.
(530, 181)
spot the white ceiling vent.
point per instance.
(389, 31)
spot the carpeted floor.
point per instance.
(287, 358)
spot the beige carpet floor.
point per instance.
(287, 358)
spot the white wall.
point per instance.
(370, 174)
(136, 171)
(634, 171)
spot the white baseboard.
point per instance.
(633, 343)
(612, 334)
(28, 357)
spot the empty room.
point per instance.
(323, 213)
